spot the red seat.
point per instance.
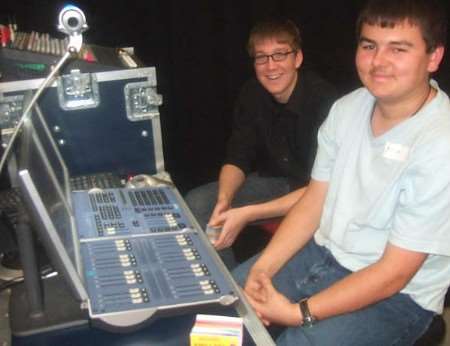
(270, 227)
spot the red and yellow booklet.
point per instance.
(213, 330)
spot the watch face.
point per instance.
(308, 321)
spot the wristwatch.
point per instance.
(308, 319)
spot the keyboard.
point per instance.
(98, 180)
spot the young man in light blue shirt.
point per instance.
(363, 255)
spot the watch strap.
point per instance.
(308, 319)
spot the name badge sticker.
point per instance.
(394, 151)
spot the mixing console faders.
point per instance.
(126, 211)
(140, 255)
(152, 271)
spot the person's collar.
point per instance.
(298, 97)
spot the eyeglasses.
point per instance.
(278, 56)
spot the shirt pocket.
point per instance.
(368, 238)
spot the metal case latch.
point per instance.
(78, 91)
(11, 109)
(141, 101)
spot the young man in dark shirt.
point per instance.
(273, 141)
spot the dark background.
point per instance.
(198, 49)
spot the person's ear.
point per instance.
(435, 59)
(298, 58)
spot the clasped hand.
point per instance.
(270, 305)
(232, 221)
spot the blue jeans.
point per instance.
(255, 189)
(397, 320)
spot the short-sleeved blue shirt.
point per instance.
(391, 188)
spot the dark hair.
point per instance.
(281, 30)
(428, 15)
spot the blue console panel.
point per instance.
(126, 211)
